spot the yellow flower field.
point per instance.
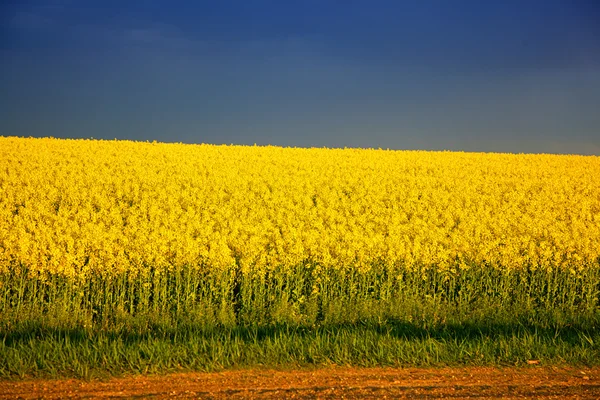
(86, 207)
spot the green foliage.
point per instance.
(179, 320)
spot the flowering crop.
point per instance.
(154, 246)
(83, 207)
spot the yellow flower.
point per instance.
(84, 207)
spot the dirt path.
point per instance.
(329, 383)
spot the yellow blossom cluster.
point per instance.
(81, 207)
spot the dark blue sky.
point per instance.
(507, 76)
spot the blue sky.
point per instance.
(510, 76)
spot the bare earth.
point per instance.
(329, 383)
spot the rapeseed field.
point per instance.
(102, 234)
(81, 208)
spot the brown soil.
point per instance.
(329, 383)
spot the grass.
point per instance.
(184, 320)
(35, 351)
